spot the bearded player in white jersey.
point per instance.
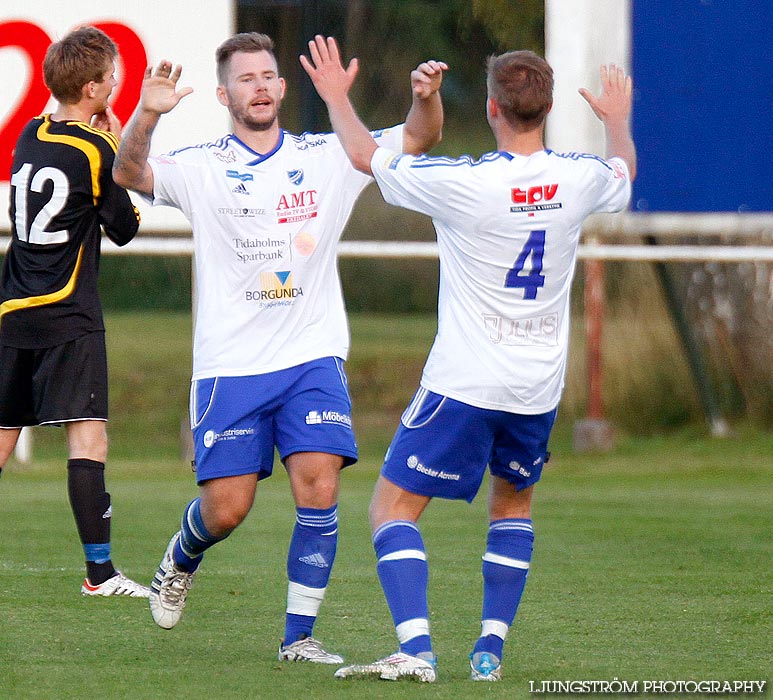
(267, 210)
(508, 225)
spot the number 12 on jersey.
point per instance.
(37, 233)
(533, 279)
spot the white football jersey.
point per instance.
(265, 229)
(507, 227)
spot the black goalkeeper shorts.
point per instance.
(61, 384)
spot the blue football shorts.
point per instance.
(237, 421)
(443, 446)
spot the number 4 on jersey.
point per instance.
(531, 281)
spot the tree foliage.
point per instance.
(513, 24)
(390, 38)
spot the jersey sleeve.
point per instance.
(171, 178)
(614, 185)
(418, 183)
(354, 181)
(391, 137)
(118, 216)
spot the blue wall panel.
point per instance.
(703, 107)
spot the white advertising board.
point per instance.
(146, 31)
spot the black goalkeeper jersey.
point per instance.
(62, 196)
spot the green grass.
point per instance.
(652, 562)
(647, 388)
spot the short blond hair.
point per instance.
(83, 55)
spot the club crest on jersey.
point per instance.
(535, 198)
(295, 176)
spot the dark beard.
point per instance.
(253, 125)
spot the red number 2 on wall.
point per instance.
(33, 41)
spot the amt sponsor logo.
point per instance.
(296, 206)
(296, 200)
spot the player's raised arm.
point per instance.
(159, 95)
(424, 123)
(333, 83)
(613, 108)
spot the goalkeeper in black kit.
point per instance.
(53, 361)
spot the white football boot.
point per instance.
(169, 589)
(308, 649)
(398, 666)
(118, 584)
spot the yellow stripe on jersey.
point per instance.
(44, 299)
(112, 139)
(91, 151)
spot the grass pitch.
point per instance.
(651, 563)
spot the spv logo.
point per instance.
(538, 193)
(535, 198)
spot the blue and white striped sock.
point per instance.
(309, 562)
(404, 574)
(195, 539)
(505, 569)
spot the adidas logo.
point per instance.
(314, 560)
(108, 513)
(240, 189)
